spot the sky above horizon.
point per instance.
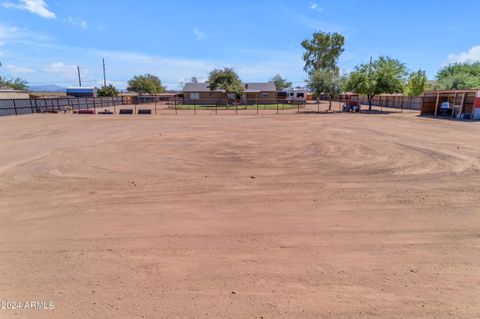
(44, 40)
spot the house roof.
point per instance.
(249, 87)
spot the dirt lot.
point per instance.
(273, 216)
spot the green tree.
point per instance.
(108, 90)
(382, 76)
(225, 79)
(459, 76)
(14, 83)
(147, 83)
(417, 83)
(324, 82)
(280, 83)
(194, 79)
(322, 52)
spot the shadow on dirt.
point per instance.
(446, 118)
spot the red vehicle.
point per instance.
(352, 104)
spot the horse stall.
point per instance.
(455, 104)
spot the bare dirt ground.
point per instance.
(273, 216)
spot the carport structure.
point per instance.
(462, 104)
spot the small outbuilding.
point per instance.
(458, 104)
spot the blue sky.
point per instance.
(43, 40)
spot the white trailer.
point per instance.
(295, 94)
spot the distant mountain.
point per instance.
(46, 88)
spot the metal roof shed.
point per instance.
(459, 104)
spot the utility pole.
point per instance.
(79, 77)
(104, 76)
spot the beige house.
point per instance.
(200, 93)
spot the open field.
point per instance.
(273, 216)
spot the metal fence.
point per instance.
(30, 106)
(165, 106)
(249, 106)
(145, 105)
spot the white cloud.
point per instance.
(10, 32)
(252, 64)
(316, 7)
(307, 21)
(166, 66)
(65, 71)
(200, 35)
(122, 65)
(34, 6)
(455, 29)
(472, 55)
(77, 22)
(17, 69)
(14, 34)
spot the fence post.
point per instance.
(194, 107)
(298, 107)
(257, 107)
(31, 106)
(36, 106)
(216, 106)
(236, 107)
(155, 106)
(277, 107)
(15, 107)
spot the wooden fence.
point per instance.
(395, 101)
(392, 101)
